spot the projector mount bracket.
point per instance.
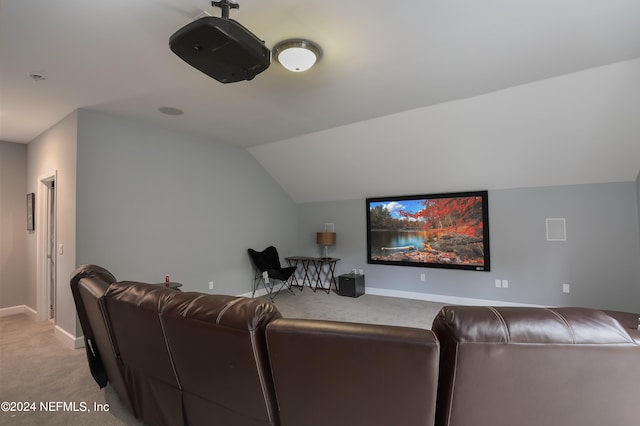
(225, 5)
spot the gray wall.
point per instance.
(638, 197)
(54, 152)
(152, 202)
(599, 259)
(13, 224)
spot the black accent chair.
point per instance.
(267, 271)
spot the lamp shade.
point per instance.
(325, 238)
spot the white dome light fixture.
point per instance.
(297, 55)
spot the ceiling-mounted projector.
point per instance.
(221, 47)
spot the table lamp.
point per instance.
(326, 239)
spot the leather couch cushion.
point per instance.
(133, 309)
(335, 373)
(218, 346)
(190, 357)
(535, 366)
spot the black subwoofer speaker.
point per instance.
(351, 285)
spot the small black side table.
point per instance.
(313, 268)
(318, 262)
(173, 285)
(304, 261)
(351, 285)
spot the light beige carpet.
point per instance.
(37, 369)
(40, 375)
(366, 308)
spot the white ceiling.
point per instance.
(379, 58)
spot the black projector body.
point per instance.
(221, 48)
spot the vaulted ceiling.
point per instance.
(379, 58)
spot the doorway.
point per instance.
(46, 227)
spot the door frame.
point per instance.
(43, 294)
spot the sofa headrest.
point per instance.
(230, 311)
(337, 330)
(91, 271)
(95, 286)
(529, 325)
(148, 296)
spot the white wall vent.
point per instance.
(556, 229)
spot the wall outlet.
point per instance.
(498, 284)
(361, 272)
(210, 285)
(423, 277)
(566, 288)
(505, 283)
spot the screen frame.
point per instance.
(486, 255)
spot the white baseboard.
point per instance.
(438, 298)
(67, 339)
(262, 292)
(78, 342)
(16, 310)
(64, 336)
(259, 292)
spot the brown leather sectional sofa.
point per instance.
(177, 358)
(536, 366)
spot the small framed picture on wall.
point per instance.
(31, 225)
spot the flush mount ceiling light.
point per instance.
(297, 55)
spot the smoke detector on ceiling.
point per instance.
(37, 76)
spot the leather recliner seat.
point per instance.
(535, 366)
(178, 358)
(336, 373)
